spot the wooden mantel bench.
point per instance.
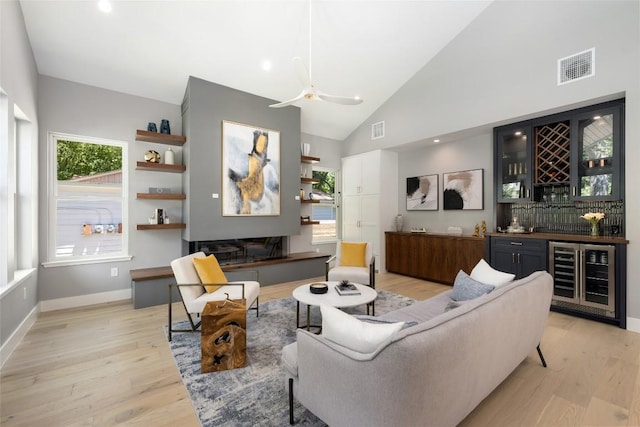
(149, 285)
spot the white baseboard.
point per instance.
(82, 300)
(17, 335)
(633, 324)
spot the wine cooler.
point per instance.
(583, 277)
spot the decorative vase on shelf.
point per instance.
(169, 158)
(151, 127)
(399, 222)
(164, 127)
(594, 229)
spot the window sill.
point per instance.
(19, 277)
(325, 242)
(76, 261)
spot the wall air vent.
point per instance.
(377, 130)
(577, 67)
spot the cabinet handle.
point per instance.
(574, 190)
(518, 258)
(513, 258)
(528, 193)
(515, 243)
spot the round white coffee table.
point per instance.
(302, 294)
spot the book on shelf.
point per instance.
(347, 289)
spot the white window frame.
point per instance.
(336, 204)
(52, 259)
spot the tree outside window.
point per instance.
(325, 212)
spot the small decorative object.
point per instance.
(302, 194)
(399, 222)
(86, 230)
(98, 229)
(159, 190)
(166, 220)
(159, 216)
(169, 158)
(111, 228)
(306, 148)
(305, 218)
(604, 258)
(476, 231)
(164, 127)
(594, 218)
(119, 228)
(615, 230)
(151, 127)
(483, 228)
(152, 220)
(310, 195)
(152, 156)
(318, 288)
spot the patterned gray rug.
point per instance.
(255, 395)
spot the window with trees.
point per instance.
(87, 199)
(325, 212)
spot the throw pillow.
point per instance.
(352, 254)
(465, 288)
(209, 271)
(484, 273)
(378, 320)
(349, 332)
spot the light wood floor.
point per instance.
(110, 364)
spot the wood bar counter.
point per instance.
(434, 257)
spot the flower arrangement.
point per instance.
(593, 218)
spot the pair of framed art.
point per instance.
(463, 190)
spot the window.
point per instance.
(87, 202)
(326, 212)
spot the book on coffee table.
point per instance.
(347, 289)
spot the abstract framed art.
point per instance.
(463, 190)
(250, 170)
(422, 193)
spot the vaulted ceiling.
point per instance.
(150, 48)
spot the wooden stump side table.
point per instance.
(224, 335)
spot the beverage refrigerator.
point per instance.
(583, 277)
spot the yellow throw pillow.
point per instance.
(209, 271)
(353, 254)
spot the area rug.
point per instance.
(255, 395)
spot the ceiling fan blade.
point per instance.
(344, 100)
(302, 72)
(291, 101)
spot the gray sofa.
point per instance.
(431, 374)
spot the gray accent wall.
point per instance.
(205, 106)
(19, 80)
(502, 69)
(90, 111)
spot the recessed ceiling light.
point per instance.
(436, 140)
(518, 133)
(356, 97)
(596, 117)
(104, 6)
(266, 65)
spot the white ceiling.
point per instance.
(150, 48)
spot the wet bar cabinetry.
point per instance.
(550, 170)
(435, 257)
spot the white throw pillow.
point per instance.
(346, 330)
(484, 273)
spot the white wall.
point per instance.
(502, 69)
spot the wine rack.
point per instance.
(552, 157)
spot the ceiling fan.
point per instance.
(310, 91)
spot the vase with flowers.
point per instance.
(594, 218)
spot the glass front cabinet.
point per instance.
(513, 169)
(597, 170)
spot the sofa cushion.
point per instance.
(349, 332)
(484, 273)
(353, 274)
(466, 288)
(209, 271)
(376, 320)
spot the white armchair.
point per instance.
(364, 273)
(194, 295)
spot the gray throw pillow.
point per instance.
(465, 288)
(378, 320)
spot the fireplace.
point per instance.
(239, 251)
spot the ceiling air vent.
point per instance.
(577, 67)
(377, 130)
